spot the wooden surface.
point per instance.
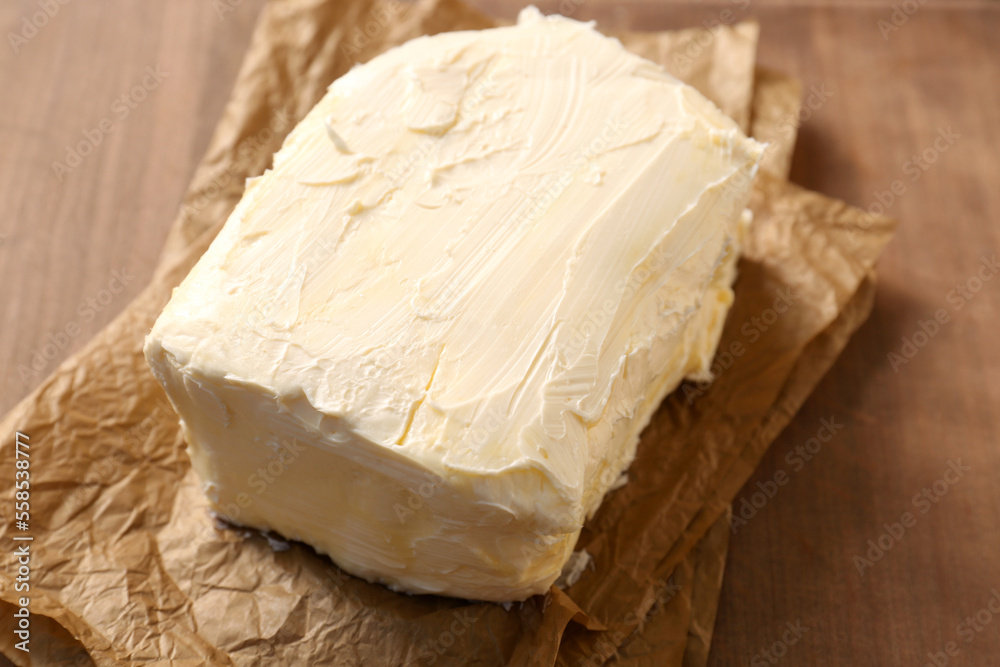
(794, 561)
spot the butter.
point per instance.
(426, 341)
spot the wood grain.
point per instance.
(875, 102)
(64, 235)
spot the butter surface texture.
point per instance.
(426, 341)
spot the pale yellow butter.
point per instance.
(427, 340)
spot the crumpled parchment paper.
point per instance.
(128, 566)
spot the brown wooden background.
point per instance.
(60, 242)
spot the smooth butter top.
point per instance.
(452, 254)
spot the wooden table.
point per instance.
(76, 244)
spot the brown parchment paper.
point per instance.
(685, 622)
(130, 565)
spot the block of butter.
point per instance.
(426, 341)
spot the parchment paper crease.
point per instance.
(130, 568)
